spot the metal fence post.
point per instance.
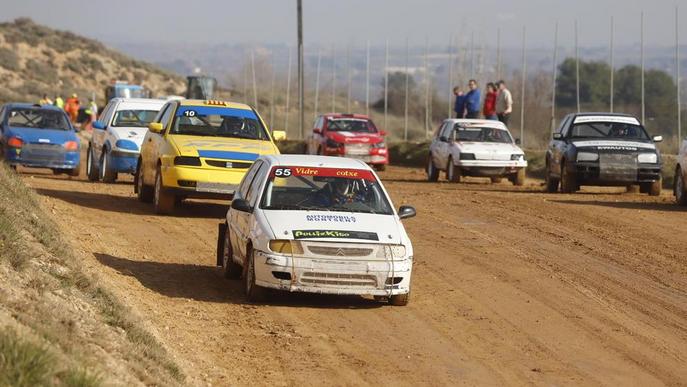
(522, 91)
(288, 92)
(553, 82)
(405, 117)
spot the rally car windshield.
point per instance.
(475, 134)
(37, 119)
(324, 189)
(606, 130)
(351, 125)
(218, 122)
(134, 118)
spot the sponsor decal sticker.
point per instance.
(613, 144)
(330, 218)
(619, 119)
(323, 172)
(315, 234)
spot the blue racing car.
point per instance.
(40, 137)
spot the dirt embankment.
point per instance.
(511, 286)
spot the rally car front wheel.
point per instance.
(254, 293)
(432, 171)
(230, 269)
(399, 299)
(679, 189)
(568, 183)
(164, 201)
(91, 168)
(453, 173)
(653, 188)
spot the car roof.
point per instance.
(603, 114)
(216, 103)
(485, 123)
(314, 161)
(128, 103)
(346, 115)
(31, 106)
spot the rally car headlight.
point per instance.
(333, 144)
(467, 156)
(380, 144)
(516, 157)
(648, 158)
(391, 251)
(285, 246)
(126, 144)
(187, 160)
(587, 156)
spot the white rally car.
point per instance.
(471, 147)
(316, 224)
(117, 137)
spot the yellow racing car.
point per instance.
(199, 149)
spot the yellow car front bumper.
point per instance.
(201, 181)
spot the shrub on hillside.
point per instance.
(92, 63)
(9, 60)
(41, 71)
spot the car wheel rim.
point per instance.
(157, 190)
(226, 250)
(88, 162)
(679, 187)
(249, 275)
(139, 184)
(450, 170)
(430, 168)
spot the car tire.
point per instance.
(679, 189)
(230, 269)
(453, 173)
(568, 183)
(163, 201)
(519, 178)
(91, 169)
(495, 179)
(143, 192)
(254, 293)
(655, 187)
(399, 299)
(107, 174)
(74, 172)
(550, 182)
(432, 171)
(380, 167)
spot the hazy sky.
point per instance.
(355, 21)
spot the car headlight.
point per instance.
(467, 156)
(126, 144)
(516, 157)
(187, 160)
(333, 144)
(587, 156)
(380, 144)
(647, 158)
(391, 251)
(285, 246)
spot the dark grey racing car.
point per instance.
(602, 149)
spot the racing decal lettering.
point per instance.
(625, 148)
(323, 172)
(600, 143)
(213, 102)
(331, 218)
(189, 113)
(619, 119)
(314, 234)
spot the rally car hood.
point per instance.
(135, 134)
(489, 150)
(355, 137)
(222, 147)
(44, 136)
(330, 226)
(615, 144)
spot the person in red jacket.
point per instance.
(489, 109)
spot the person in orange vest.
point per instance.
(72, 107)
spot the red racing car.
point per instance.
(349, 135)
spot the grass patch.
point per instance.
(23, 363)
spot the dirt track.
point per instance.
(510, 287)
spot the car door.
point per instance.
(241, 222)
(435, 145)
(443, 150)
(98, 135)
(314, 139)
(558, 145)
(152, 144)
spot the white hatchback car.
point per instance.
(316, 224)
(117, 137)
(470, 147)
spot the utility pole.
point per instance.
(405, 119)
(301, 80)
(255, 86)
(498, 53)
(288, 93)
(450, 74)
(367, 79)
(333, 79)
(612, 62)
(348, 79)
(641, 26)
(677, 79)
(555, 75)
(317, 81)
(522, 91)
(386, 84)
(428, 79)
(274, 75)
(577, 69)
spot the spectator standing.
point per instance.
(59, 102)
(45, 100)
(72, 107)
(504, 103)
(489, 109)
(459, 107)
(472, 100)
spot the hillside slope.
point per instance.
(35, 59)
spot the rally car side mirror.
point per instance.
(557, 136)
(241, 205)
(98, 125)
(443, 139)
(657, 138)
(155, 127)
(517, 141)
(406, 212)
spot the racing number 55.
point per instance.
(282, 172)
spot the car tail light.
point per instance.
(15, 142)
(71, 145)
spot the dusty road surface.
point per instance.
(511, 287)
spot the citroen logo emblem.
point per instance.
(340, 253)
